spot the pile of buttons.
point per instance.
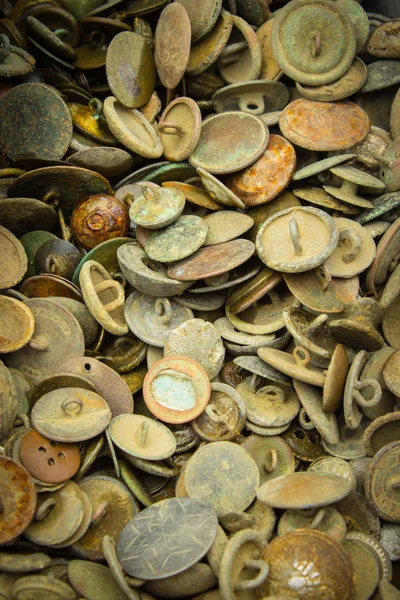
(199, 300)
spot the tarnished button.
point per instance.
(326, 43)
(176, 389)
(177, 241)
(205, 52)
(57, 257)
(297, 365)
(18, 499)
(49, 461)
(13, 262)
(179, 128)
(324, 125)
(40, 585)
(205, 481)
(132, 129)
(224, 417)
(327, 520)
(344, 87)
(94, 581)
(328, 566)
(142, 437)
(241, 58)
(352, 397)
(41, 111)
(57, 336)
(263, 180)
(199, 341)
(131, 72)
(104, 297)
(311, 400)
(270, 405)
(308, 236)
(172, 43)
(229, 141)
(381, 483)
(272, 454)
(218, 191)
(17, 324)
(365, 567)
(157, 208)
(98, 219)
(70, 415)
(355, 252)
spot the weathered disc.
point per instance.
(229, 142)
(202, 16)
(22, 215)
(324, 126)
(130, 68)
(177, 241)
(34, 122)
(212, 260)
(347, 85)
(13, 260)
(205, 52)
(172, 44)
(18, 498)
(182, 528)
(325, 41)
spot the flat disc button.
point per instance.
(49, 461)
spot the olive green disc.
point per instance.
(177, 241)
(230, 141)
(34, 122)
(130, 67)
(313, 41)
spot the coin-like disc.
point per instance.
(167, 538)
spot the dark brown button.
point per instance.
(49, 461)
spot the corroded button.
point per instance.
(224, 417)
(255, 97)
(327, 520)
(229, 142)
(344, 87)
(264, 179)
(177, 241)
(226, 225)
(132, 129)
(212, 260)
(324, 125)
(382, 482)
(152, 319)
(199, 340)
(270, 405)
(157, 207)
(40, 111)
(241, 59)
(176, 389)
(297, 365)
(308, 236)
(94, 581)
(13, 260)
(131, 72)
(113, 506)
(172, 44)
(47, 460)
(18, 499)
(179, 128)
(272, 454)
(57, 336)
(98, 219)
(303, 490)
(104, 297)
(57, 257)
(187, 528)
(218, 191)
(205, 480)
(17, 324)
(205, 52)
(355, 251)
(142, 437)
(327, 565)
(43, 586)
(70, 415)
(325, 41)
(311, 400)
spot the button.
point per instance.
(47, 460)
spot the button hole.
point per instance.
(53, 444)
(50, 462)
(42, 449)
(61, 455)
(87, 367)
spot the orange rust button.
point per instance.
(324, 126)
(262, 181)
(18, 499)
(99, 218)
(49, 461)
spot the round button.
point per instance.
(49, 461)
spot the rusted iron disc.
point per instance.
(229, 141)
(167, 538)
(325, 41)
(99, 218)
(34, 122)
(262, 181)
(18, 498)
(212, 260)
(324, 126)
(172, 44)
